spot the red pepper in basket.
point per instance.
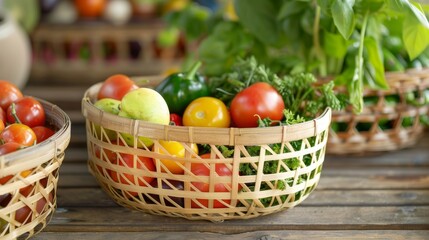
(175, 119)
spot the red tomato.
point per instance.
(258, 99)
(90, 8)
(19, 133)
(201, 169)
(29, 112)
(8, 93)
(23, 215)
(42, 133)
(3, 115)
(116, 87)
(128, 161)
(1, 125)
(9, 147)
(175, 119)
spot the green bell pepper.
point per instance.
(180, 89)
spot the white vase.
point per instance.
(15, 51)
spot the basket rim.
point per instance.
(228, 136)
(50, 147)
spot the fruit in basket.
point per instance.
(132, 162)
(116, 86)
(26, 110)
(42, 133)
(9, 147)
(109, 105)
(207, 112)
(19, 133)
(1, 125)
(8, 94)
(259, 99)
(144, 104)
(201, 169)
(169, 184)
(181, 88)
(177, 150)
(3, 115)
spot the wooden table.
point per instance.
(383, 196)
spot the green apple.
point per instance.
(109, 105)
(144, 104)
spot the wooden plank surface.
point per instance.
(377, 196)
(257, 235)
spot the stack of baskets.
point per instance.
(162, 192)
(29, 179)
(391, 119)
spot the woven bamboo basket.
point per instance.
(161, 192)
(384, 125)
(30, 176)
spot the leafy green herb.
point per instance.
(299, 91)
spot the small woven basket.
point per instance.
(247, 195)
(389, 121)
(29, 180)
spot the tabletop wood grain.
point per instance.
(377, 196)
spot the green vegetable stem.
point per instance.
(179, 89)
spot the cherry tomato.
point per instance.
(3, 115)
(177, 150)
(116, 87)
(42, 133)
(1, 125)
(9, 147)
(127, 178)
(90, 8)
(175, 119)
(206, 112)
(29, 112)
(258, 99)
(8, 93)
(23, 215)
(201, 169)
(19, 133)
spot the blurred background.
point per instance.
(85, 41)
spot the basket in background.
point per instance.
(29, 180)
(391, 119)
(248, 195)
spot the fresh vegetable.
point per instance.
(42, 133)
(144, 104)
(19, 133)
(175, 119)
(174, 186)
(177, 150)
(26, 110)
(342, 39)
(180, 89)
(300, 93)
(8, 93)
(116, 86)
(206, 112)
(133, 162)
(258, 100)
(221, 170)
(108, 105)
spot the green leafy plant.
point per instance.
(344, 39)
